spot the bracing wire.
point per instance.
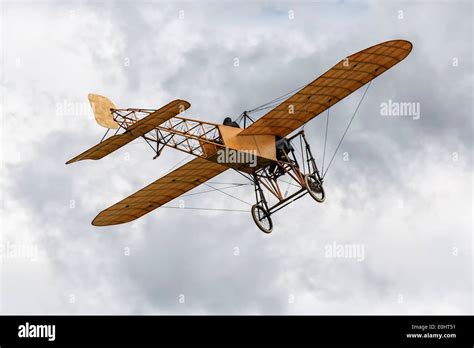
(207, 191)
(227, 194)
(212, 209)
(227, 183)
(325, 140)
(176, 164)
(274, 101)
(347, 128)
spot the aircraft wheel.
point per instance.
(262, 218)
(314, 187)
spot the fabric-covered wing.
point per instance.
(136, 130)
(163, 190)
(337, 83)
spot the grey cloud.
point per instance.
(391, 162)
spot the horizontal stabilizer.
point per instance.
(136, 130)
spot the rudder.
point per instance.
(101, 106)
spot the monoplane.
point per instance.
(263, 150)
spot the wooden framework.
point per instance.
(184, 134)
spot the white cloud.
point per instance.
(401, 194)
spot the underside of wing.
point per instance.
(337, 83)
(163, 190)
(136, 130)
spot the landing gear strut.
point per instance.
(260, 211)
(307, 179)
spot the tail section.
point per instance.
(137, 129)
(102, 110)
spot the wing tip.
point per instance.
(398, 43)
(103, 219)
(186, 105)
(100, 219)
(75, 159)
(410, 44)
(98, 222)
(72, 160)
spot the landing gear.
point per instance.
(262, 218)
(260, 211)
(306, 178)
(314, 187)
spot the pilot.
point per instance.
(283, 149)
(228, 122)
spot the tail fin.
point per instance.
(102, 110)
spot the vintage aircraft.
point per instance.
(269, 140)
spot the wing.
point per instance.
(136, 130)
(163, 190)
(334, 85)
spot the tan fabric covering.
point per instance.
(337, 83)
(163, 190)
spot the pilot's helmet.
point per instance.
(227, 120)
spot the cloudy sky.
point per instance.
(400, 188)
